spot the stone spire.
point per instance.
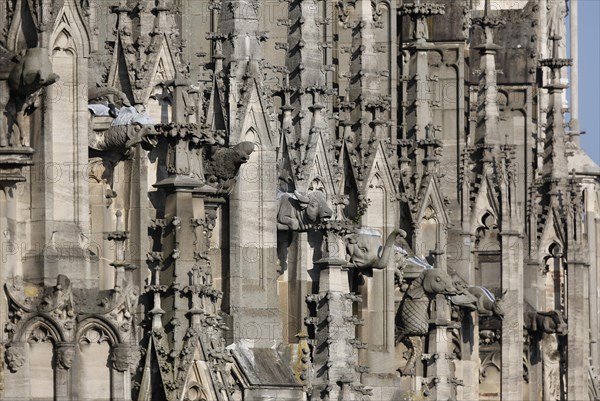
(418, 70)
(335, 357)
(574, 38)
(488, 133)
(555, 159)
(308, 81)
(565, 195)
(419, 148)
(364, 92)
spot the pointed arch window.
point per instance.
(488, 266)
(41, 340)
(554, 269)
(94, 348)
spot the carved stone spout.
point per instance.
(365, 249)
(26, 79)
(301, 212)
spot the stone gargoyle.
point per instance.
(128, 128)
(222, 164)
(412, 318)
(32, 73)
(487, 303)
(551, 322)
(301, 212)
(365, 250)
(107, 94)
(478, 299)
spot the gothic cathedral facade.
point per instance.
(226, 200)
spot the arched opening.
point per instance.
(555, 290)
(376, 211)
(488, 268)
(430, 236)
(159, 106)
(63, 95)
(41, 341)
(94, 344)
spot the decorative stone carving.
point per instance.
(491, 361)
(418, 12)
(365, 250)
(557, 11)
(107, 94)
(551, 367)
(184, 152)
(545, 327)
(120, 308)
(121, 357)
(65, 355)
(542, 323)
(301, 212)
(381, 138)
(94, 335)
(412, 320)
(40, 334)
(487, 304)
(15, 356)
(222, 164)
(26, 79)
(128, 128)
(58, 302)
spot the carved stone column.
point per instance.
(511, 237)
(16, 372)
(336, 347)
(418, 70)
(556, 164)
(577, 298)
(64, 358)
(185, 174)
(185, 319)
(121, 356)
(488, 114)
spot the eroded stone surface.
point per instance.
(250, 200)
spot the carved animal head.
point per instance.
(551, 322)
(497, 306)
(432, 282)
(300, 212)
(33, 72)
(242, 152)
(146, 135)
(487, 303)
(366, 249)
(438, 281)
(464, 298)
(314, 205)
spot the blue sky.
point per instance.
(589, 76)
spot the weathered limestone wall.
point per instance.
(173, 236)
